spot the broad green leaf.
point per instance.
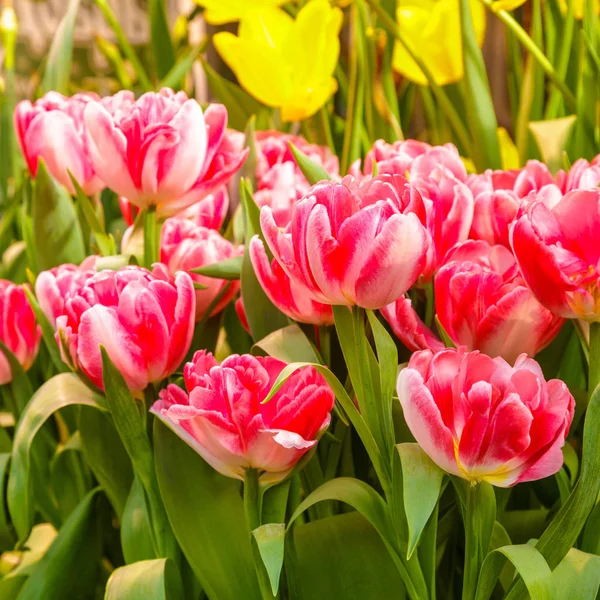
(230, 268)
(341, 557)
(577, 577)
(70, 566)
(263, 316)
(145, 580)
(160, 38)
(240, 105)
(47, 333)
(551, 138)
(20, 385)
(7, 540)
(136, 531)
(289, 344)
(528, 562)
(106, 243)
(310, 169)
(421, 483)
(371, 506)
(132, 430)
(182, 67)
(58, 65)
(106, 456)
(206, 512)
(270, 540)
(478, 98)
(62, 390)
(56, 229)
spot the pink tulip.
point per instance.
(532, 178)
(483, 420)
(483, 303)
(280, 182)
(494, 213)
(347, 247)
(292, 298)
(52, 128)
(54, 287)
(144, 320)
(556, 246)
(185, 246)
(240, 311)
(18, 330)
(162, 150)
(222, 418)
(583, 175)
(492, 181)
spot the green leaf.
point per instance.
(106, 456)
(7, 540)
(207, 515)
(56, 229)
(577, 577)
(230, 269)
(240, 105)
(551, 138)
(478, 98)
(106, 242)
(136, 531)
(249, 166)
(20, 385)
(310, 169)
(263, 316)
(270, 540)
(181, 68)
(70, 566)
(60, 391)
(132, 431)
(145, 580)
(112, 53)
(341, 557)
(289, 344)
(528, 562)
(58, 66)
(160, 38)
(421, 483)
(47, 332)
(370, 505)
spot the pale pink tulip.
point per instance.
(162, 151)
(144, 320)
(346, 246)
(54, 287)
(494, 213)
(223, 419)
(186, 246)
(556, 246)
(483, 420)
(53, 129)
(19, 331)
(583, 175)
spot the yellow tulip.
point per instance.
(508, 150)
(286, 63)
(432, 30)
(218, 12)
(579, 7)
(507, 5)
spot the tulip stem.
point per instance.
(151, 237)
(252, 500)
(594, 361)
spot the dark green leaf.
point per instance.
(206, 512)
(136, 531)
(160, 38)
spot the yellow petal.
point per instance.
(305, 105)
(258, 67)
(507, 5)
(218, 12)
(270, 26)
(508, 150)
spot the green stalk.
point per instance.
(252, 499)
(445, 104)
(536, 52)
(594, 364)
(151, 237)
(326, 128)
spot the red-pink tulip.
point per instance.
(222, 418)
(556, 246)
(292, 298)
(240, 311)
(144, 320)
(280, 182)
(185, 246)
(161, 150)
(494, 213)
(348, 245)
(483, 420)
(583, 175)
(19, 331)
(483, 303)
(52, 128)
(54, 287)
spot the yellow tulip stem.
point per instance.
(535, 51)
(445, 104)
